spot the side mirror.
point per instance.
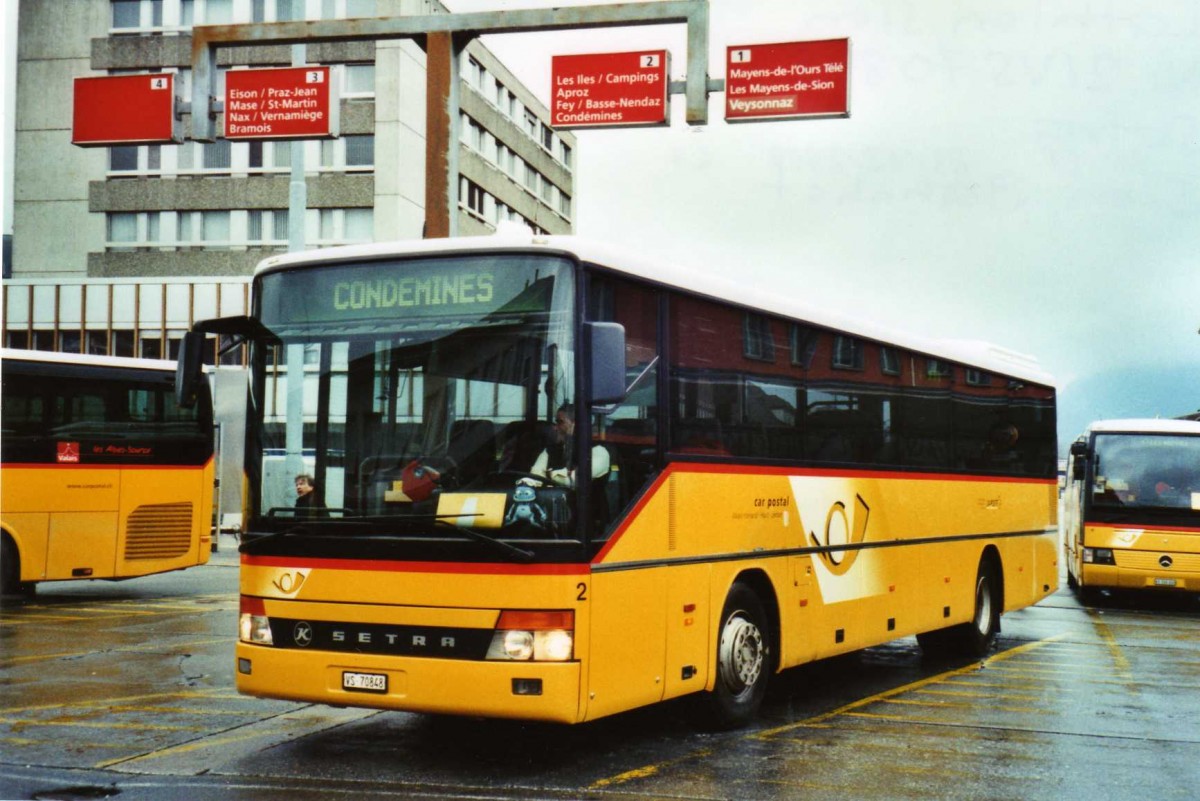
(606, 346)
(189, 371)
(1078, 460)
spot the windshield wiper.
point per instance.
(326, 527)
(508, 548)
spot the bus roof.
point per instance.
(1144, 426)
(983, 355)
(85, 359)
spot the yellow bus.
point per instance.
(104, 476)
(1131, 508)
(555, 481)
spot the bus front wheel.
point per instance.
(743, 661)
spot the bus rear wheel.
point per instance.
(743, 661)
(10, 570)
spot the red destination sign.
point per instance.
(125, 109)
(783, 81)
(283, 103)
(609, 89)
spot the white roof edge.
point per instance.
(86, 359)
(1144, 425)
(985, 356)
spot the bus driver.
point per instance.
(557, 462)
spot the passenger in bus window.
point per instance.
(557, 462)
(307, 498)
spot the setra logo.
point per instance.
(289, 582)
(1165, 560)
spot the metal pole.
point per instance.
(297, 187)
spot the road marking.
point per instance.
(648, 770)
(165, 647)
(23, 723)
(974, 667)
(821, 721)
(1114, 648)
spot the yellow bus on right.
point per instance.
(1131, 507)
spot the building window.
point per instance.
(360, 150)
(564, 154)
(137, 15)
(847, 353)
(757, 343)
(803, 345)
(936, 368)
(266, 227)
(889, 361)
(471, 196)
(218, 155)
(122, 231)
(564, 204)
(123, 158)
(978, 378)
(359, 80)
(214, 228)
(353, 151)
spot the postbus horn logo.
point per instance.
(841, 531)
(289, 582)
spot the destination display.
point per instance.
(280, 103)
(125, 109)
(468, 288)
(787, 80)
(601, 90)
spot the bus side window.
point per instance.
(630, 432)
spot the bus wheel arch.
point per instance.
(746, 652)
(975, 638)
(10, 567)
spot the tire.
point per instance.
(743, 664)
(975, 639)
(10, 570)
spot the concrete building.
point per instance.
(118, 249)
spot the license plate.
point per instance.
(364, 682)
(1164, 582)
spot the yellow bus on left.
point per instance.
(103, 475)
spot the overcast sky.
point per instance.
(1023, 172)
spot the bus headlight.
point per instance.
(536, 636)
(1098, 556)
(254, 626)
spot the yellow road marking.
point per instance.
(163, 646)
(1114, 648)
(23, 723)
(821, 721)
(974, 667)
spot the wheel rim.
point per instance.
(983, 606)
(742, 653)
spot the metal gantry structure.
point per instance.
(444, 36)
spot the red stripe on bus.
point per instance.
(1143, 527)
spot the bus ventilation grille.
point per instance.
(159, 531)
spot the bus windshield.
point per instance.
(1159, 473)
(414, 398)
